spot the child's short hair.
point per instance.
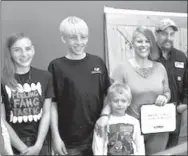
(118, 88)
(73, 25)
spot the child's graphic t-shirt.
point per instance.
(24, 104)
(122, 137)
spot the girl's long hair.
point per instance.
(9, 69)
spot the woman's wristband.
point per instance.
(104, 115)
(166, 96)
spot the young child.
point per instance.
(80, 83)
(122, 135)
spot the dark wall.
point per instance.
(40, 20)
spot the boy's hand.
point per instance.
(59, 147)
(100, 125)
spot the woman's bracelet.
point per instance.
(104, 115)
(165, 96)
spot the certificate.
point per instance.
(156, 119)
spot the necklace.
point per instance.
(23, 80)
(144, 72)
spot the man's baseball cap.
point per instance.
(165, 23)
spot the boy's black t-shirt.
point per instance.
(80, 87)
(23, 106)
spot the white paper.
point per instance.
(155, 119)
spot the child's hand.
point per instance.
(100, 125)
(32, 150)
(59, 147)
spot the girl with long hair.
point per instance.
(26, 93)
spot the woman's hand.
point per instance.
(161, 100)
(100, 125)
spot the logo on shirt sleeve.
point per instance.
(96, 70)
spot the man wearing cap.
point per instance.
(175, 62)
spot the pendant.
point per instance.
(144, 72)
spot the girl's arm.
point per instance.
(6, 138)
(15, 140)
(44, 122)
(58, 144)
(43, 129)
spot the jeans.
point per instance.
(82, 151)
(183, 128)
(156, 142)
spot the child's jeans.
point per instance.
(81, 151)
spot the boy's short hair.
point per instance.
(118, 88)
(73, 25)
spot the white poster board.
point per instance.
(156, 119)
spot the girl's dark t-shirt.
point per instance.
(24, 105)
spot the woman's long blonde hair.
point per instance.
(154, 50)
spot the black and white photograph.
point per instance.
(93, 78)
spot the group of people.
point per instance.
(88, 112)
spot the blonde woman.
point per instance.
(148, 82)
